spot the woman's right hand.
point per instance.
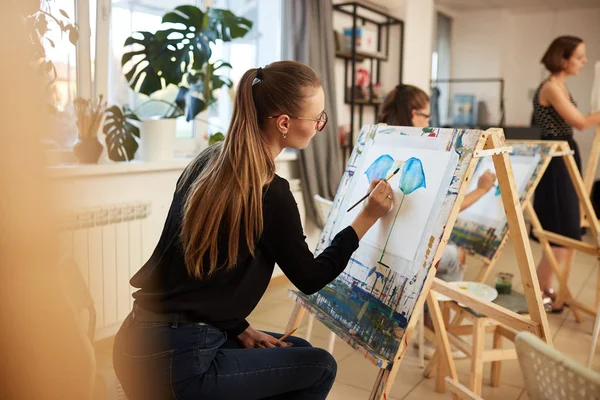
(377, 205)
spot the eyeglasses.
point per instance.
(320, 122)
(422, 114)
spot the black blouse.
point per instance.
(228, 297)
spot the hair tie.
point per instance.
(259, 76)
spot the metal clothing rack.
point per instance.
(434, 82)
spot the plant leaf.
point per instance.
(195, 101)
(121, 142)
(216, 138)
(64, 13)
(181, 98)
(73, 34)
(144, 75)
(228, 24)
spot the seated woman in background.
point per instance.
(408, 105)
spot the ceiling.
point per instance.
(518, 5)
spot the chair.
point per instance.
(75, 287)
(595, 335)
(550, 375)
(323, 208)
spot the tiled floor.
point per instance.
(356, 375)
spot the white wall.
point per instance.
(477, 52)
(418, 16)
(418, 45)
(510, 45)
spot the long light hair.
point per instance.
(226, 196)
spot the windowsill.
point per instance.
(134, 167)
(116, 168)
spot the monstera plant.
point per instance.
(178, 54)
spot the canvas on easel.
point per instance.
(482, 229)
(375, 303)
(370, 303)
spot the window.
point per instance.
(261, 46)
(128, 17)
(440, 69)
(62, 53)
(112, 21)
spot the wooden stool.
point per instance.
(476, 351)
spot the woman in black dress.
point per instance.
(555, 111)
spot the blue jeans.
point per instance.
(157, 361)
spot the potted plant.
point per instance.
(180, 55)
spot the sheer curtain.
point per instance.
(308, 38)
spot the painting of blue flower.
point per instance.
(379, 168)
(413, 176)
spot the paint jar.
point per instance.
(504, 282)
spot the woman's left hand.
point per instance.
(251, 339)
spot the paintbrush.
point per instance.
(368, 194)
(287, 335)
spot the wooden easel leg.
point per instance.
(433, 362)
(309, 328)
(520, 238)
(422, 340)
(442, 337)
(484, 272)
(496, 365)
(431, 366)
(296, 317)
(563, 284)
(597, 284)
(379, 385)
(476, 376)
(440, 377)
(566, 273)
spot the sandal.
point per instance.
(548, 300)
(550, 294)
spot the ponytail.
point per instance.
(226, 196)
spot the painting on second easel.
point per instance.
(482, 227)
(370, 303)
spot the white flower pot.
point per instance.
(157, 139)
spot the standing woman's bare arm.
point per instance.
(559, 100)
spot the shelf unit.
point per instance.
(363, 15)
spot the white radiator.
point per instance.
(107, 243)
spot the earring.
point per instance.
(285, 135)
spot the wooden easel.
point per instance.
(545, 237)
(491, 143)
(537, 323)
(590, 169)
(488, 263)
